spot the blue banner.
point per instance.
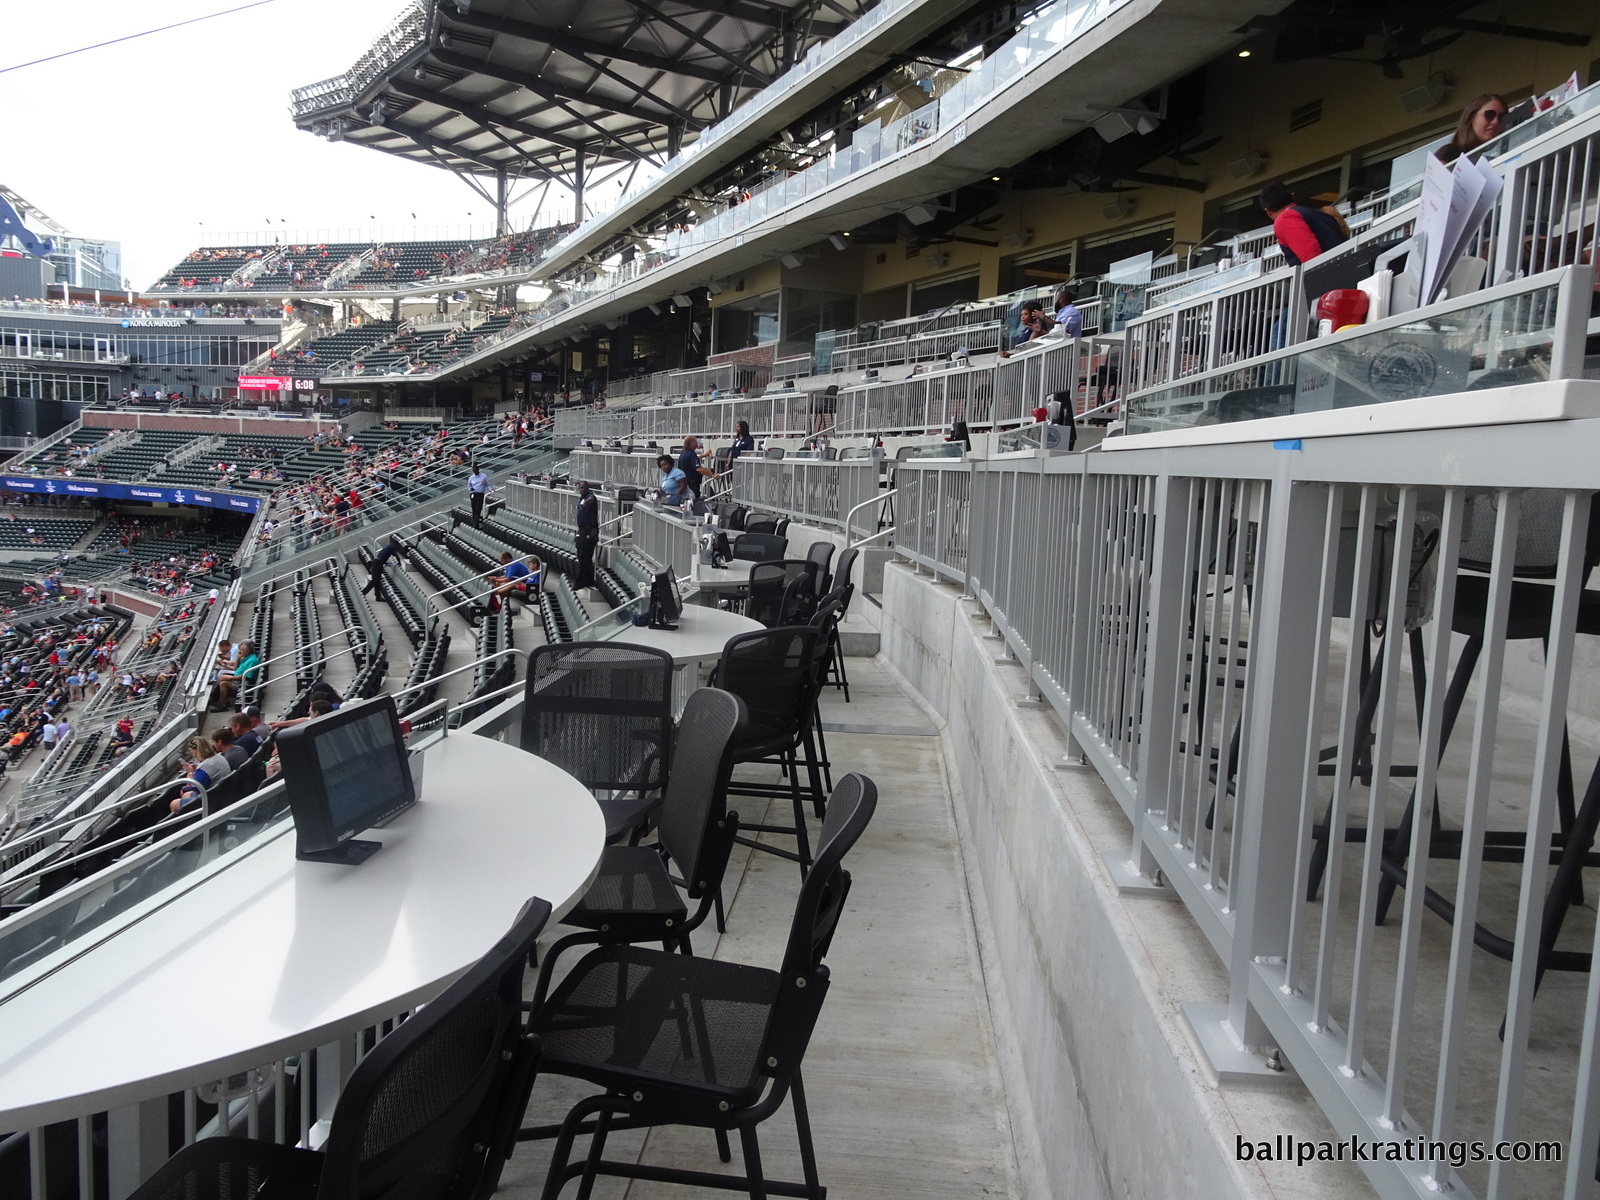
(43, 485)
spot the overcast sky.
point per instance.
(161, 141)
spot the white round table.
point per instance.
(700, 636)
(271, 956)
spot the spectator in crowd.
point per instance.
(1068, 315)
(121, 737)
(1035, 322)
(243, 725)
(743, 443)
(229, 682)
(689, 464)
(587, 536)
(205, 766)
(1481, 121)
(515, 577)
(1303, 230)
(477, 492)
(674, 483)
(380, 560)
(48, 733)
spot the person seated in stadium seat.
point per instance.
(1035, 321)
(229, 682)
(516, 577)
(206, 765)
(320, 706)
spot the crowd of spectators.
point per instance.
(503, 253)
(47, 670)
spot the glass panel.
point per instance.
(1496, 344)
(81, 915)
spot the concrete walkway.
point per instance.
(902, 1076)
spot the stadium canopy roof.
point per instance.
(560, 90)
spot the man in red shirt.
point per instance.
(1303, 231)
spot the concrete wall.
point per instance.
(1109, 1097)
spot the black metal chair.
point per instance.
(760, 547)
(634, 897)
(782, 592)
(774, 671)
(430, 1114)
(679, 1040)
(821, 553)
(837, 677)
(602, 712)
(826, 621)
(768, 525)
(1530, 612)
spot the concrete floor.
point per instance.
(902, 1075)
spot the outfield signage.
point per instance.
(105, 490)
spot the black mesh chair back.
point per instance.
(828, 610)
(761, 524)
(799, 599)
(1538, 534)
(821, 553)
(696, 798)
(430, 1114)
(773, 672)
(601, 711)
(842, 572)
(760, 547)
(433, 1096)
(774, 597)
(816, 913)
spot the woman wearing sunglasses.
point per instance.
(1481, 121)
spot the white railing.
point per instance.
(816, 491)
(1543, 220)
(667, 537)
(408, 33)
(1187, 614)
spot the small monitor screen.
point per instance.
(361, 769)
(345, 772)
(664, 595)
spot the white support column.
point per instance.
(136, 1144)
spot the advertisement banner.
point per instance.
(263, 383)
(108, 490)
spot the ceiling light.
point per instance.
(1244, 54)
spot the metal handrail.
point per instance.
(433, 681)
(37, 831)
(56, 864)
(878, 499)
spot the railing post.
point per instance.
(1163, 679)
(1262, 883)
(136, 1145)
